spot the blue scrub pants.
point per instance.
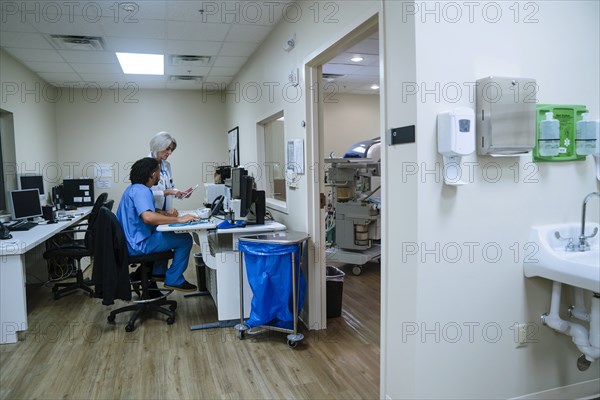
(163, 241)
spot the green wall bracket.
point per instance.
(568, 116)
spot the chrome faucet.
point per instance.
(583, 243)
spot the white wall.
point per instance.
(349, 119)
(485, 291)
(315, 25)
(31, 100)
(119, 133)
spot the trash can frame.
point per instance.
(282, 238)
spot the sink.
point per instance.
(552, 261)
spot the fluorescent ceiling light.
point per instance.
(142, 64)
(357, 59)
(374, 87)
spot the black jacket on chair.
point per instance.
(111, 268)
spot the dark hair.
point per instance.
(142, 169)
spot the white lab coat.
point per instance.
(165, 182)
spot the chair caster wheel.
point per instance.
(91, 295)
(173, 307)
(357, 270)
(54, 289)
(292, 344)
(129, 328)
(241, 335)
(110, 318)
(170, 320)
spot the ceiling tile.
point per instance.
(136, 45)
(340, 69)
(77, 26)
(193, 48)
(35, 54)
(48, 67)
(218, 80)
(24, 40)
(238, 49)
(248, 33)
(193, 31)
(13, 23)
(223, 71)
(96, 68)
(177, 70)
(226, 61)
(101, 57)
(143, 28)
(56, 77)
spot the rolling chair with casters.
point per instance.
(151, 298)
(112, 267)
(73, 250)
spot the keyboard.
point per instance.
(21, 226)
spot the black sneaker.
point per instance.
(184, 287)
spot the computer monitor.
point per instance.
(78, 192)
(246, 197)
(27, 181)
(236, 182)
(25, 204)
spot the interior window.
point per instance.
(273, 135)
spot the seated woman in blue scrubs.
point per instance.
(139, 219)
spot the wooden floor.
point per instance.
(71, 352)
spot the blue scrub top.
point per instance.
(136, 199)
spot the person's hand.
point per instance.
(172, 213)
(187, 218)
(173, 192)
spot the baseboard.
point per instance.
(580, 390)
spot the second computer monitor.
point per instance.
(25, 204)
(27, 181)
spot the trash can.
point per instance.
(268, 268)
(334, 289)
(200, 271)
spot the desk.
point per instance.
(13, 299)
(223, 267)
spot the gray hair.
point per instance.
(160, 142)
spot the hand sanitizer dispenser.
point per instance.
(456, 138)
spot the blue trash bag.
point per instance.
(269, 271)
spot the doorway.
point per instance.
(342, 86)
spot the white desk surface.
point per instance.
(23, 241)
(268, 226)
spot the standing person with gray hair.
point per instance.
(162, 146)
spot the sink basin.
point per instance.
(552, 261)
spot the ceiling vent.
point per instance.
(190, 61)
(68, 42)
(185, 78)
(331, 77)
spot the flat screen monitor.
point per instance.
(246, 187)
(236, 182)
(25, 203)
(32, 182)
(78, 192)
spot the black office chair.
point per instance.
(73, 249)
(111, 259)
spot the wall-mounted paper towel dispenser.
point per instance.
(505, 115)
